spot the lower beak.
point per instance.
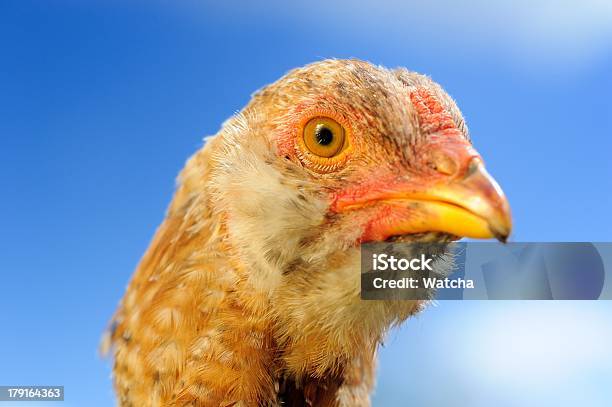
(473, 206)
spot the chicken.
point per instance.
(249, 294)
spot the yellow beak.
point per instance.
(474, 206)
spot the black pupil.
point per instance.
(324, 136)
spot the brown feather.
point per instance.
(248, 293)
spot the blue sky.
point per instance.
(102, 102)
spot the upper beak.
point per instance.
(472, 205)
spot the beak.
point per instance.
(474, 206)
(471, 206)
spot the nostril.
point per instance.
(442, 163)
(475, 163)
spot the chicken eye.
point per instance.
(324, 137)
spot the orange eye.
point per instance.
(324, 137)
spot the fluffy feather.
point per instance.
(249, 292)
